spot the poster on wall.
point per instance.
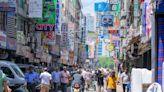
(3, 39)
(35, 8)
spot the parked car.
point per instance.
(14, 75)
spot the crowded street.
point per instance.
(81, 45)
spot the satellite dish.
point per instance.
(155, 87)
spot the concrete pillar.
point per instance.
(153, 48)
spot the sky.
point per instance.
(88, 6)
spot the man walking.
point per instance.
(32, 79)
(45, 80)
(125, 80)
(65, 75)
(56, 79)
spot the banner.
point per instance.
(107, 20)
(102, 7)
(35, 8)
(3, 39)
(8, 5)
(11, 43)
(48, 20)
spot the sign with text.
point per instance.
(107, 20)
(45, 27)
(113, 31)
(48, 20)
(35, 8)
(7, 5)
(102, 7)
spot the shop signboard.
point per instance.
(58, 15)
(20, 37)
(3, 40)
(107, 20)
(8, 5)
(48, 20)
(160, 47)
(35, 8)
(102, 7)
(64, 30)
(11, 43)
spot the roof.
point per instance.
(6, 62)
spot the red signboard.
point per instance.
(113, 31)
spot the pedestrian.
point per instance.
(111, 82)
(65, 76)
(56, 79)
(46, 78)
(3, 83)
(88, 77)
(32, 79)
(100, 80)
(125, 80)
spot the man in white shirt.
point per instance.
(125, 80)
(45, 80)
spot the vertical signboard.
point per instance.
(160, 47)
(48, 20)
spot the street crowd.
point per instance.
(100, 80)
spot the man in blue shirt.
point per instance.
(56, 79)
(32, 79)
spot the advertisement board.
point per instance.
(8, 5)
(35, 8)
(3, 39)
(11, 43)
(101, 7)
(48, 20)
(107, 20)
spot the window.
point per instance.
(18, 71)
(7, 72)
